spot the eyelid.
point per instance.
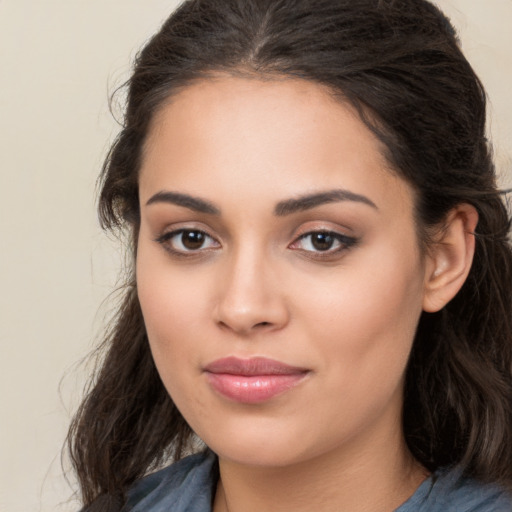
(338, 236)
(165, 238)
(342, 241)
(167, 229)
(345, 242)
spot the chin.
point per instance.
(260, 443)
(255, 456)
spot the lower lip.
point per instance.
(253, 389)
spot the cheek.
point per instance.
(174, 307)
(171, 295)
(171, 307)
(366, 316)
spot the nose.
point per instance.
(250, 297)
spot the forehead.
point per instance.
(274, 138)
(266, 112)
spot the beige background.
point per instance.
(59, 59)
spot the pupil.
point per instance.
(192, 239)
(322, 241)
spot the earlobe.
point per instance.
(450, 257)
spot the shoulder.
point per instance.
(187, 485)
(448, 491)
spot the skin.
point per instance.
(258, 286)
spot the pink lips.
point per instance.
(252, 380)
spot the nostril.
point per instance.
(260, 325)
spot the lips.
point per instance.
(252, 380)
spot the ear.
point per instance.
(450, 257)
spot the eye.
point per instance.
(185, 241)
(323, 242)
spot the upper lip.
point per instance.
(252, 366)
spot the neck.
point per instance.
(377, 479)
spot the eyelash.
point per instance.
(166, 241)
(344, 243)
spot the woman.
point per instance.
(321, 289)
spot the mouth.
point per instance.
(254, 380)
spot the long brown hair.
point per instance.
(399, 63)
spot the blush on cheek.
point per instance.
(373, 327)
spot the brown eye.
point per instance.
(192, 240)
(322, 241)
(186, 241)
(329, 242)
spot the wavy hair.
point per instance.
(399, 63)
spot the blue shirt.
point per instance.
(189, 486)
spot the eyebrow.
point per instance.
(283, 208)
(192, 203)
(308, 201)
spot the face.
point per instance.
(278, 270)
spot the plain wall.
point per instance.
(59, 60)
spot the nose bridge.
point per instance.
(249, 296)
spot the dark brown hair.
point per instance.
(399, 63)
